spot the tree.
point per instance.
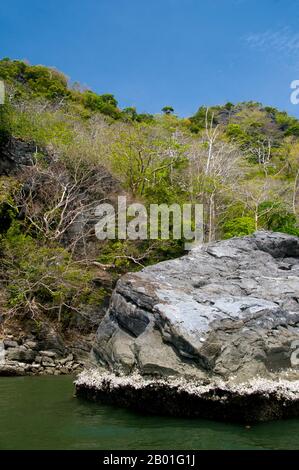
(238, 227)
(260, 197)
(105, 104)
(58, 202)
(215, 167)
(167, 110)
(144, 160)
(130, 113)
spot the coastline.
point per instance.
(258, 400)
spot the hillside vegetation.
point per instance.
(241, 161)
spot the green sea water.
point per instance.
(42, 413)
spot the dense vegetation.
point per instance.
(241, 161)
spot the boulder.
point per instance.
(50, 354)
(8, 343)
(48, 362)
(21, 354)
(224, 316)
(11, 369)
(30, 344)
(49, 339)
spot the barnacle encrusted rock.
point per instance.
(227, 312)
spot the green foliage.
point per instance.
(11, 70)
(229, 106)
(286, 123)
(274, 216)
(8, 209)
(42, 278)
(271, 216)
(5, 122)
(293, 129)
(143, 162)
(46, 82)
(238, 227)
(125, 255)
(155, 159)
(39, 80)
(105, 104)
(167, 110)
(235, 133)
(130, 113)
(145, 118)
(203, 116)
(42, 127)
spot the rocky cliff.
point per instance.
(221, 322)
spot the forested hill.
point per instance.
(65, 148)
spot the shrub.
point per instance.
(238, 227)
(274, 216)
(43, 279)
(105, 104)
(8, 210)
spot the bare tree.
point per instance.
(59, 202)
(215, 166)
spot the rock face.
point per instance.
(16, 153)
(227, 312)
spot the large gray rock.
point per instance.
(49, 338)
(227, 311)
(228, 308)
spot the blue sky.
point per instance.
(151, 53)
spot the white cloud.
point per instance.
(283, 40)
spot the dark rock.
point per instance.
(49, 339)
(21, 354)
(103, 279)
(48, 362)
(8, 343)
(217, 401)
(81, 349)
(7, 370)
(88, 320)
(38, 359)
(226, 311)
(15, 153)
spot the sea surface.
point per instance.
(42, 413)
